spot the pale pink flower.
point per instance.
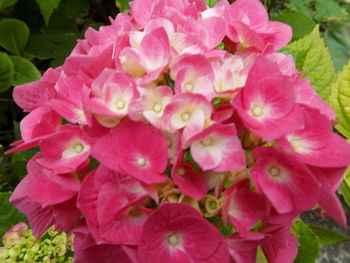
(218, 148)
(248, 26)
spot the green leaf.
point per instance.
(40, 46)
(6, 71)
(345, 187)
(337, 38)
(13, 35)
(260, 256)
(301, 24)
(300, 6)
(212, 3)
(328, 237)
(345, 192)
(309, 244)
(6, 3)
(47, 7)
(24, 71)
(123, 5)
(329, 9)
(312, 56)
(9, 215)
(340, 101)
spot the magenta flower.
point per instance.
(286, 182)
(129, 149)
(177, 233)
(267, 103)
(243, 207)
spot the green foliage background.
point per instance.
(38, 34)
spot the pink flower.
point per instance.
(281, 246)
(189, 112)
(193, 73)
(189, 181)
(65, 150)
(316, 144)
(244, 250)
(129, 149)
(112, 93)
(286, 182)
(45, 202)
(177, 233)
(38, 124)
(72, 98)
(243, 207)
(36, 94)
(86, 250)
(248, 26)
(112, 205)
(218, 148)
(267, 103)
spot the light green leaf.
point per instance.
(13, 35)
(309, 244)
(340, 101)
(347, 176)
(24, 71)
(345, 186)
(337, 38)
(260, 256)
(9, 215)
(312, 56)
(212, 3)
(47, 7)
(345, 192)
(6, 71)
(301, 24)
(123, 5)
(6, 3)
(328, 237)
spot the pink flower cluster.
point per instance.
(172, 125)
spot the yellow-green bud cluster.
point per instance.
(21, 246)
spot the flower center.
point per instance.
(185, 116)
(120, 104)
(157, 107)
(213, 204)
(134, 212)
(207, 141)
(275, 171)
(180, 171)
(79, 147)
(141, 162)
(188, 87)
(257, 111)
(173, 239)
